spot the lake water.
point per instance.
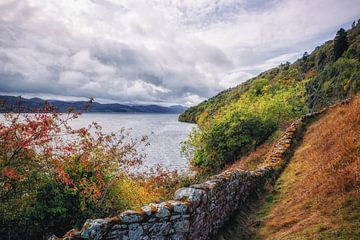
(163, 130)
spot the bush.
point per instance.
(226, 140)
(242, 126)
(338, 80)
(53, 177)
(56, 211)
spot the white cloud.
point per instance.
(234, 78)
(177, 51)
(192, 99)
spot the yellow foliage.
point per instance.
(310, 74)
(131, 195)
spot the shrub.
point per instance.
(226, 140)
(338, 80)
(241, 126)
(52, 176)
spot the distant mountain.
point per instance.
(11, 104)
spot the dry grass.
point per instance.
(318, 195)
(252, 159)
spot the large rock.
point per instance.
(94, 229)
(132, 216)
(193, 195)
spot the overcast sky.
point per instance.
(160, 51)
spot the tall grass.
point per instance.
(318, 195)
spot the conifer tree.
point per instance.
(340, 43)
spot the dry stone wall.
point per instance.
(200, 210)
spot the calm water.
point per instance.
(164, 131)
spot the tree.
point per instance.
(304, 65)
(340, 43)
(305, 56)
(53, 176)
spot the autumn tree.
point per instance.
(53, 176)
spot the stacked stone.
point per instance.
(198, 211)
(167, 220)
(215, 200)
(276, 161)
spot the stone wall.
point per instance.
(200, 210)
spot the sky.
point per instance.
(157, 51)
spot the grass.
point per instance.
(318, 194)
(252, 159)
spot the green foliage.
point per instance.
(48, 209)
(212, 105)
(49, 183)
(245, 124)
(238, 119)
(56, 211)
(350, 53)
(338, 80)
(224, 140)
(53, 177)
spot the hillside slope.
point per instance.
(238, 120)
(318, 194)
(327, 78)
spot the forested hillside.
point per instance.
(241, 118)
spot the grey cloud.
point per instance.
(134, 51)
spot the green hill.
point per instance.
(241, 118)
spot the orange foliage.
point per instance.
(10, 173)
(322, 177)
(253, 159)
(311, 73)
(85, 160)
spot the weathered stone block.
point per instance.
(193, 195)
(178, 237)
(162, 211)
(180, 207)
(159, 229)
(157, 238)
(117, 234)
(132, 216)
(148, 210)
(93, 229)
(136, 232)
(182, 226)
(119, 227)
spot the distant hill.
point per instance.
(11, 104)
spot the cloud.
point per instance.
(176, 51)
(234, 78)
